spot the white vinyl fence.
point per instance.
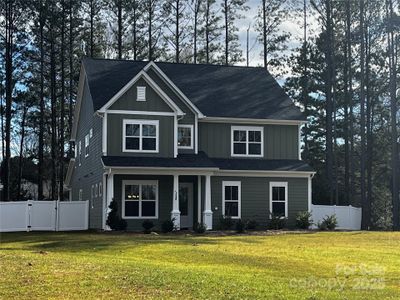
(348, 217)
(44, 215)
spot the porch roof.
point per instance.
(201, 160)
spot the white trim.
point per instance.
(254, 173)
(139, 112)
(239, 185)
(279, 184)
(161, 171)
(80, 194)
(165, 78)
(140, 183)
(191, 136)
(104, 135)
(251, 121)
(199, 199)
(151, 83)
(175, 136)
(87, 143)
(140, 123)
(196, 134)
(141, 90)
(104, 202)
(247, 129)
(299, 141)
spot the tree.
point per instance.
(176, 25)
(210, 33)
(270, 17)
(231, 10)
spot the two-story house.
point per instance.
(186, 142)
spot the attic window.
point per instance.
(141, 93)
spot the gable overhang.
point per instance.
(142, 75)
(172, 85)
(77, 110)
(251, 121)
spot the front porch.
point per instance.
(182, 196)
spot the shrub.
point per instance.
(328, 223)
(240, 226)
(147, 225)
(303, 220)
(225, 222)
(167, 226)
(199, 227)
(276, 222)
(113, 220)
(251, 225)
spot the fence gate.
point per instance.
(43, 215)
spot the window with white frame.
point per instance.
(247, 141)
(140, 199)
(100, 189)
(140, 136)
(278, 195)
(80, 195)
(185, 136)
(231, 199)
(141, 93)
(96, 190)
(87, 145)
(80, 152)
(91, 132)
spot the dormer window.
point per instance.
(141, 93)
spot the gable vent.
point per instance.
(141, 93)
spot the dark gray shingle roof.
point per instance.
(218, 91)
(201, 160)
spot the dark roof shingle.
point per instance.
(217, 91)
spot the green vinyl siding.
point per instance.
(153, 101)
(90, 172)
(280, 141)
(115, 135)
(255, 198)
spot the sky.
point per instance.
(290, 25)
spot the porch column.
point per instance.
(199, 199)
(175, 213)
(110, 196)
(207, 213)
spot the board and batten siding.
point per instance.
(90, 172)
(153, 101)
(188, 118)
(115, 135)
(280, 141)
(255, 198)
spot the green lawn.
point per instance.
(336, 265)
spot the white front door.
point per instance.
(186, 204)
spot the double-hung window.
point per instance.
(247, 141)
(140, 136)
(140, 199)
(185, 136)
(278, 198)
(231, 199)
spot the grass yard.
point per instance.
(323, 265)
